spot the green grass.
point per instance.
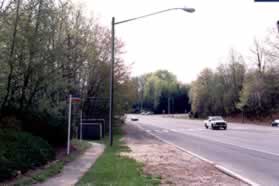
(111, 169)
(54, 168)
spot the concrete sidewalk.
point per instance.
(73, 171)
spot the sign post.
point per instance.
(80, 127)
(69, 124)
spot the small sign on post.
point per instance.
(80, 127)
(75, 99)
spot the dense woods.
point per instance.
(247, 85)
(160, 92)
(49, 49)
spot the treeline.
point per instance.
(160, 92)
(48, 50)
(248, 86)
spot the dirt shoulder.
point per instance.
(174, 166)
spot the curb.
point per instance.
(219, 167)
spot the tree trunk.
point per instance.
(10, 60)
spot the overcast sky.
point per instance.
(185, 43)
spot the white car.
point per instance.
(275, 123)
(215, 122)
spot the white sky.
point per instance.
(185, 43)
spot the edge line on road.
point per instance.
(227, 143)
(219, 167)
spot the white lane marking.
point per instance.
(187, 130)
(233, 174)
(219, 167)
(159, 130)
(227, 143)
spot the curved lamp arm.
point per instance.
(189, 10)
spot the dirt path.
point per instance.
(171, 164)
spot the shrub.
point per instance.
(20, 151)
(51, 128)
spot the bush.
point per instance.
(51, 128)
(20, 151)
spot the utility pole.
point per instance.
(69, 124)
(111, 82)
(141, 104)
(168, 105)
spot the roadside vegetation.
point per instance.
(53, 168)
(240, 87)
(20, 152)
(48, 50)
(248, 86)
(113, 169)
(160, 92)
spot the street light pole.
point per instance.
(169, 105)
(111, 82)
(113, 23)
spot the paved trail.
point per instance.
(73, 171)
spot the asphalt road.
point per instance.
(249, 150)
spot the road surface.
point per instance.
(249, 150)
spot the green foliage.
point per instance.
(260, 93)
(218, 92)
(155, 91)
(54, 168)
(233, 88)
(52, 128)
(49, 49)
(21, 151)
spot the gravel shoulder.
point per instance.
(174, 166)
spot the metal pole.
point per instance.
(173, 106)
(80, 127)
(141, 101)
(141, 106)
(111, 81)
(69, 124)
(168, 105)
(242, 115)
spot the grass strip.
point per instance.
(115, 170)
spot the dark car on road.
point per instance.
(275, 123)
(134, 118)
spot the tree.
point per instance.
(50, 49)
(201, 94)
(218, 92)
(160, 91)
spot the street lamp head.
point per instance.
(190, 10)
